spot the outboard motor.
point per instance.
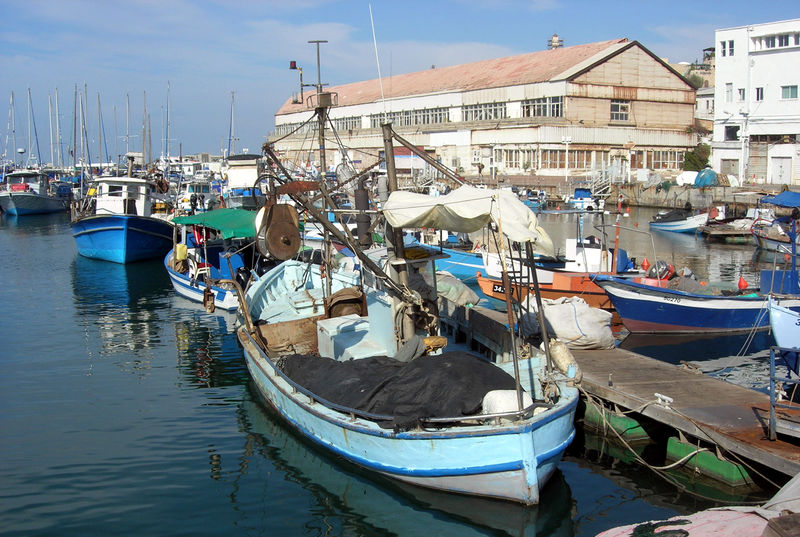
(242, 277)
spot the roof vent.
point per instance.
(555, 42)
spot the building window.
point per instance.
(620, 110)
(783, 40)
(797, 39)
(667, 159)
(741, 94)
(769, 41)
(552, 159)
(731, 133)
(346, 123)
(409, 118)
(722, 48)
(476, 156)
(788, 92)
(543, 107)
(730, 48)
(759, 94)
(729, 93)
(483, 112)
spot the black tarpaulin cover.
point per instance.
(448, 385)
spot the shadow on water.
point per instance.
(678, 348)
(354, 503)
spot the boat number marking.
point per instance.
(674, 299)
(497, 288)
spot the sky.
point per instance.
(194, 62)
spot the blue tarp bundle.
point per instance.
(706, 177)
(784, 199)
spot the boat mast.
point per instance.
(75, 127)
(231, 143)
(50, 122)
(99, 133)
(59, 149)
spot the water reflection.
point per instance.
(121, 301)
(678, 348)
(209, 354)
(344, 496)
(34, 224)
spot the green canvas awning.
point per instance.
(229, 223)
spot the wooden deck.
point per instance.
(732, 417)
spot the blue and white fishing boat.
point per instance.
(212, 245)
(649, 306)
(117, 221)
(376, 346)
(29, 192)
(679, 221)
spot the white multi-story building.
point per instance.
(757, 109)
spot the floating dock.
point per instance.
(734, 418)
(726, 234)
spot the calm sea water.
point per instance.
(127, 410)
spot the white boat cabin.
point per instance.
(124, 195)
(26, 181)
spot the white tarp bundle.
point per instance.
(469, 209)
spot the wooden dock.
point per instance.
(726, 233)
(730, 416)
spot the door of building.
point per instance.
(781, 170)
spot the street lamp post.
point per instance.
(566, 140)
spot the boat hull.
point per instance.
(25, 203)
(510, 463)
(785, 325)
(562, 285)
(688, 225)
(650, 309)
(122, 238)
(225, 299)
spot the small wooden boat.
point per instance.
(212, 245)
(552, 284)
(117, 221)
(649, 306)
(359, 326)
(679, 221)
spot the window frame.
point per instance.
(620, 110)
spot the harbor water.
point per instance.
(128, 410)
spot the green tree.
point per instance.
(697, 159)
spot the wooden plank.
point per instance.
(731, 416)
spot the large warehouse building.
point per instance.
(611, 108)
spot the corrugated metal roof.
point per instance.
(529, 68)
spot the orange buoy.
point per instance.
(742, 283)
(645, 264)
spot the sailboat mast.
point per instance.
(27, 163)
(13, 127)
(99, 133)
(50, 121)
(75, 126)
(144, 131)
(59, 148)
(127, 123)
(230, 128)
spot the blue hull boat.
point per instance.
(122, 238)
(507, 459)
(651, 309)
